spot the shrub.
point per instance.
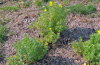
(90, 50)
(30, 50)
(51, 22)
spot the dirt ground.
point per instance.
(59, 53)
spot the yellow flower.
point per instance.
(15, 56)
(39, 17)
(60, 5)
(46, 43)
(41, 41)
(50, 3)
(43, 50)
(45, 10)
(55, 2)
(65, 64)
(43, 6)
(50, 28)
(84, 64)
(98, 31)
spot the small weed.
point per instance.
(4, 20)
(91, 16)
(7, 20)
(3, 17)
(11, 33)
(27, 4)
(38, 2)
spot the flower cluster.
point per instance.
(51, 22)
(50, 3)
(45, 10)
(60, 5)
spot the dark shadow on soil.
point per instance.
(74, 34)
(58, 60)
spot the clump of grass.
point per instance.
(9, 8)
(38, 2)
(82, 9)
(27, 4)
(4, 20)
(7, 20)
(16, 6)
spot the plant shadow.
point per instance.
(73, 34)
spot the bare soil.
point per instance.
(59, 53)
